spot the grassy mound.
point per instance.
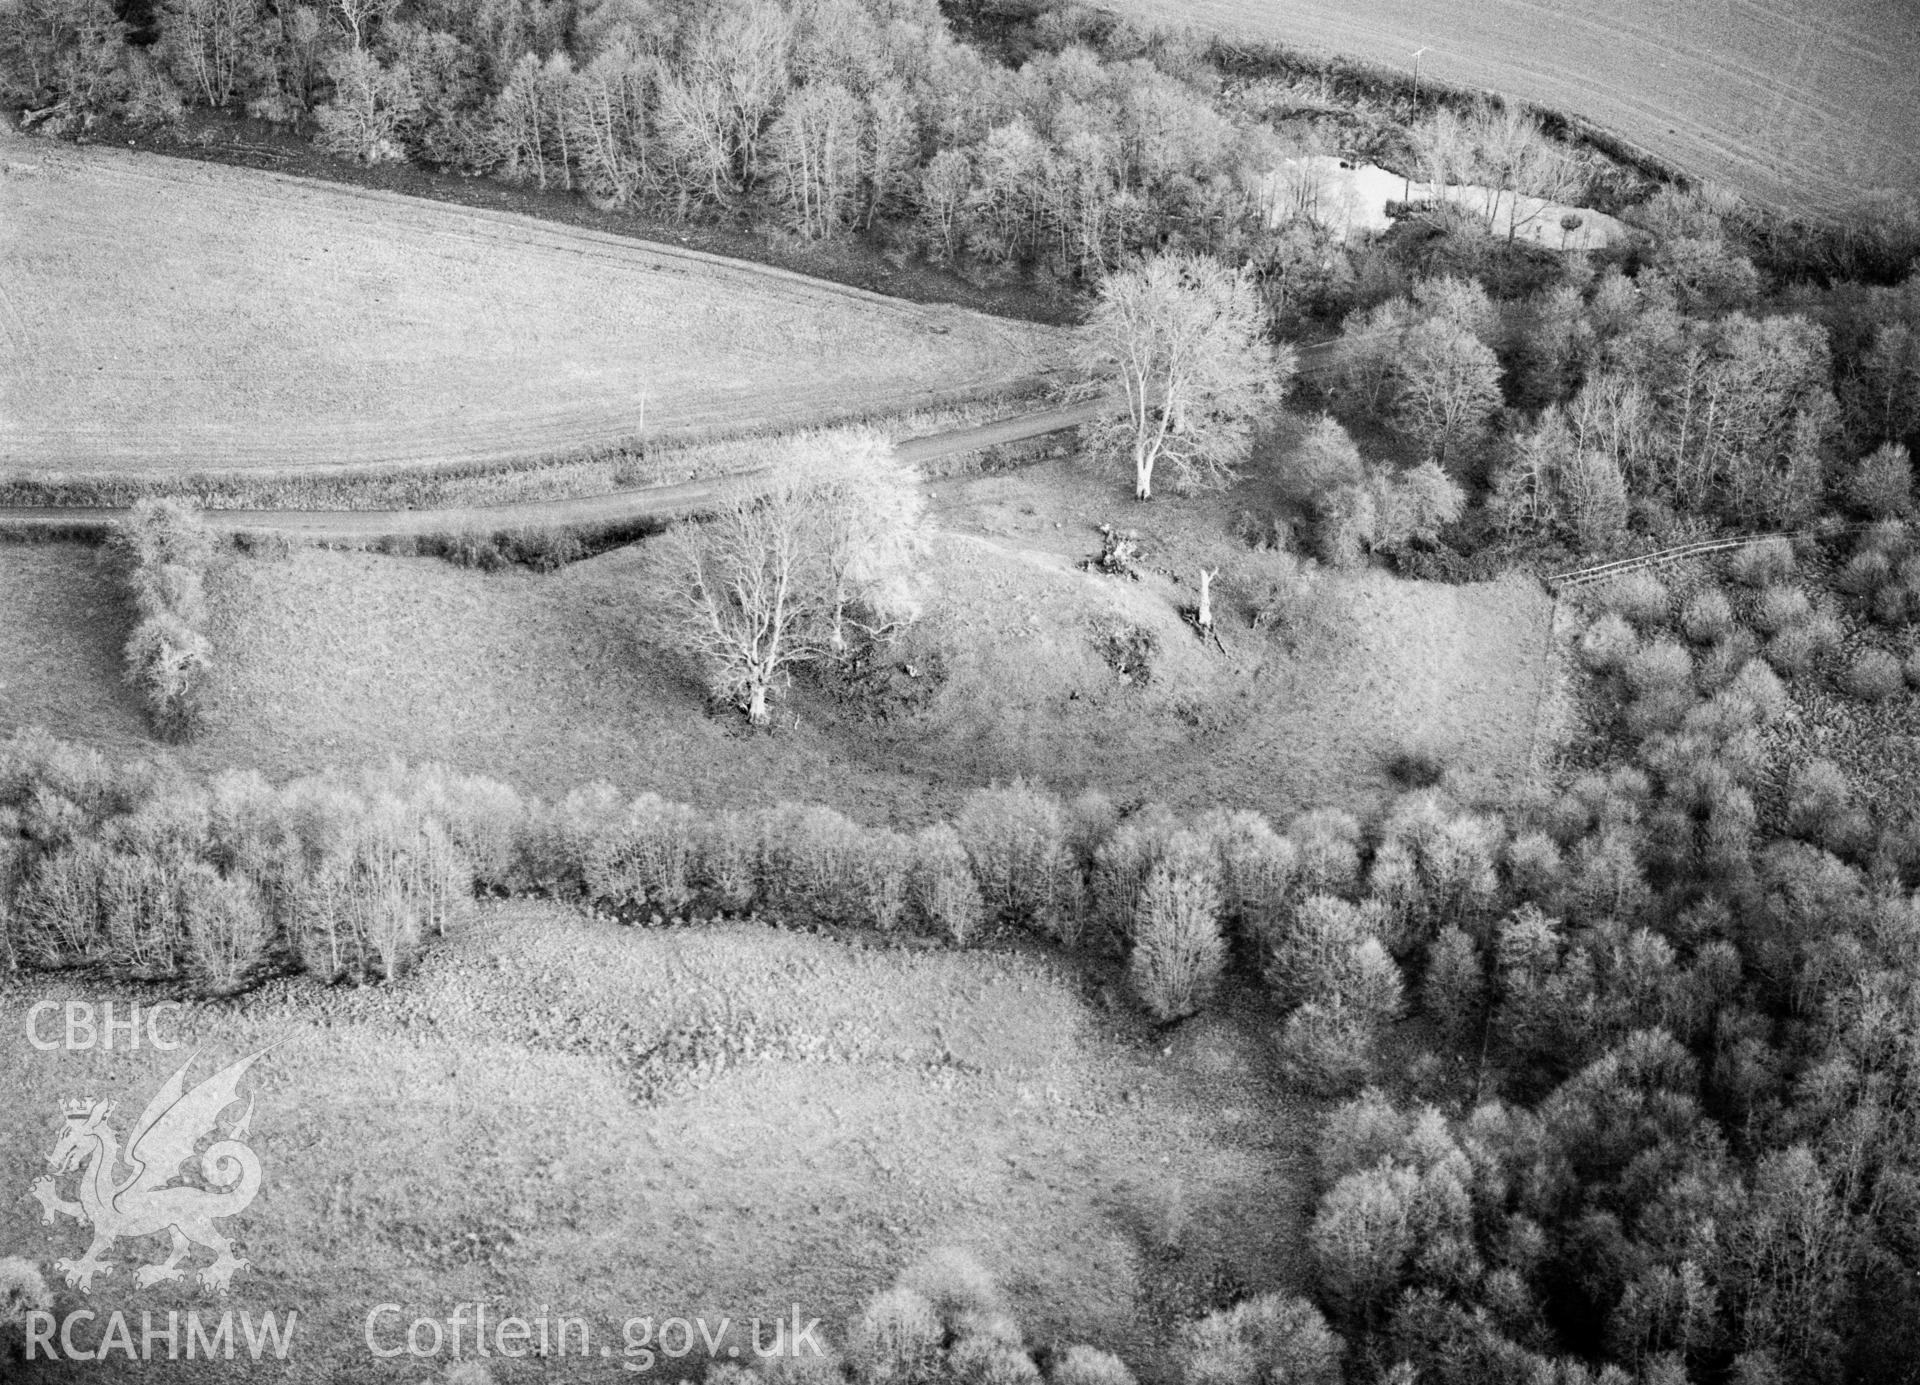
(1024, 665)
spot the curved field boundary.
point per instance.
(166, 315)
(568, 238)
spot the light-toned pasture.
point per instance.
(161, 313)
(726, 1121)
(1799, 104)
(353, 659)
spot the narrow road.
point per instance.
(593, 511)
(617, 508)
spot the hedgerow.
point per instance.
(1016, 838)
(152, 873)
(945, 898)
(945, 1320)
(1178, 950)
(1274, 1337)
(897, 1340)
(162, 552)
(1122, 863)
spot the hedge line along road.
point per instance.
(613, 510)
(617, 508)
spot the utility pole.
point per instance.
(1407, 196)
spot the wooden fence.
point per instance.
(1620, 567)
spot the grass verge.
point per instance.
(566, 476)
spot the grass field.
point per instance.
(163, 314)
(438, 493)
(1797, 105)
(724, 1121)
(335, 658)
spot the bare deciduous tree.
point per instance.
(867, 508)
(750, 612)
(610, 122)
(1502, 149)
(891, 151)
(358, 17)
(944, 183)
(816, 152)
(527, 118)
(370, 103)
(212, 44)
(162, 550)
(1447, 386)
(1178, 950)
(1364, 354)
(1593, 498)
(732, 73)
(775, 579)
(1412, 506)
(1183, 332)
(1007, 204)
(693, 135)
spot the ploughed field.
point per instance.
(161, 313)
(1797, 104)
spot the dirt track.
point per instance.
(617, 508)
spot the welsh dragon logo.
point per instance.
(147, 1201)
